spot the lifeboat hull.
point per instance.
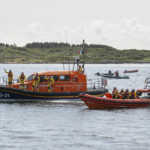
(17, 95)
(94, 102)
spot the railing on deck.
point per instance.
(147, 83)
(4, 80)
(96, 83)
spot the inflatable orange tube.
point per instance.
(144, 90)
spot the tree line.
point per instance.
(56, 45)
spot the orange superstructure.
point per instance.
(64, 81)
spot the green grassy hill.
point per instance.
(60, 52)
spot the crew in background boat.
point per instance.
(117, 74)
(51, 82)
(36, 81)
(110, 73)
(10, 77)
(22, 78)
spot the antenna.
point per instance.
(83, 54)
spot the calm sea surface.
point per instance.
(70, 125)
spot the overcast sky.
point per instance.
(118, 23)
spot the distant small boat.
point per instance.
(131, 71)
(112, 76)
(95, 102)
(115, 77)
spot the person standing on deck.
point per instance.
(80, 69)
(36, 81)
(22, 78)
(10, 77)
(50, 83)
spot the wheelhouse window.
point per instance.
(44, 78)
(64, 77)
(55, 77)
(30, 77)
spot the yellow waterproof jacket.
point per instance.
(133, 94)
(36, 81)
(50, 82)
(22, 79)
(80, 69)
(10, 76)
(115, 93)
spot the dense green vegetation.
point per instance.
(59, 52)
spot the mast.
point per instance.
(77, 60)
(83, 53)
(81, 59)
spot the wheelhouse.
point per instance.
(64, 81)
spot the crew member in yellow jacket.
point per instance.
(50, 83)
(10, 77)
(36, 81)
(80, 69)
(22, 78)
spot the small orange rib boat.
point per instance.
(95, 102)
